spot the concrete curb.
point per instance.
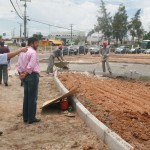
(110, 138)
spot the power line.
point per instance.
(51, 25)
(15, 9)
(48, 24)
(19, 8)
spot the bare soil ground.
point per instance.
(123, 105)
(54, 132)
(132, 58)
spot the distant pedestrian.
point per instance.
(4, 67)
(55, 54)
(105, 56)
(28, 68)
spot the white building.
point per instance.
(67, 35)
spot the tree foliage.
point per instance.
(119, 24)
(135, 26)
(147, 36)
(38, 36)
(104, 21)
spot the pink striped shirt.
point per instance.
(28, 62)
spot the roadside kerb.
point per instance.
(110, 138)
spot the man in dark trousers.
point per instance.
(28, 68)
(4, 67)
(55, 54)
(105, 56)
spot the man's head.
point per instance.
(33, 42)
(2, 43)
(105, 43)
(23, 44)
(60, 47)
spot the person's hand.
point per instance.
(22, 75)
(24, 49)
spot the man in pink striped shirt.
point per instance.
(28, 68)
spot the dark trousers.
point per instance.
(4, 73)
(30, 82)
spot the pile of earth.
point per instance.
(123, 105)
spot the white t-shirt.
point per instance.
(3, 59)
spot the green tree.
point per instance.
(104, 21)
(79, 39)
(90, 33)
(135, 26)
(119, 24)
(146, 36)
(38, 36)
(0, 36)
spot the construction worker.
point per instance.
(105, 55)
(55, 54)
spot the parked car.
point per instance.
(136, 50)
(122, 50)
(82, 50)
(69, 51)
(95, 50)
(147, 51)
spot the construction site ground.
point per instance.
(124, 58)
(121, 104)
(125, 112)
(55, 132)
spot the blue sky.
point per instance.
(80, 13)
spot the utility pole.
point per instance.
(25, 20)
(71, 33)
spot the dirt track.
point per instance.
(132, 58)
(54, 132)
(122, 105)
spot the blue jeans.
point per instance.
(30, 82)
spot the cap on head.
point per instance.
(60, 46)
(105, 43)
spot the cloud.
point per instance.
(81, 13)
(146, 18)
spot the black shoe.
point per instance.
(1, 133)
(6, 84)
(35, 120)
(25, 121)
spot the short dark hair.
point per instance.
(2, 44)
(23, 44)
(32, 40)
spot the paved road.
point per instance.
(128, 69)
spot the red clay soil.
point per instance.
(122, 105)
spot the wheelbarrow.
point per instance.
(62, 64)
